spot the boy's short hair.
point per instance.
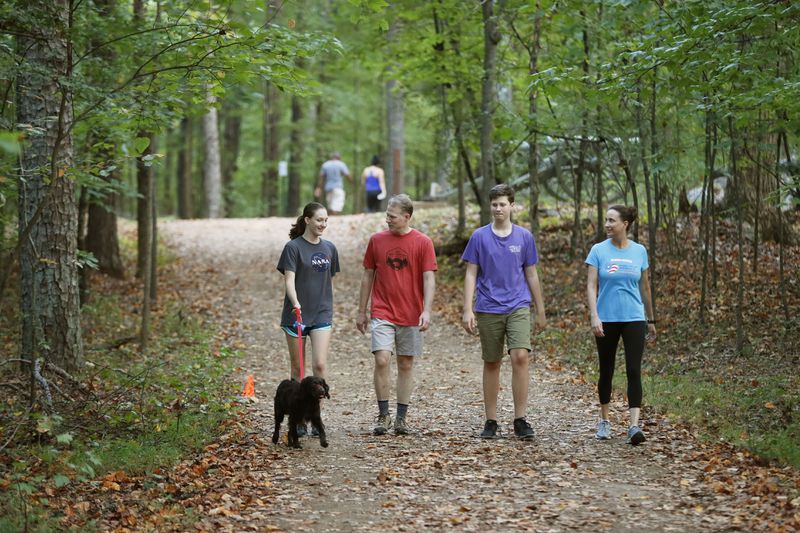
(403, 202)
(502, 189)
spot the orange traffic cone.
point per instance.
(249, 388)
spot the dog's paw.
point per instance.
(323, 443)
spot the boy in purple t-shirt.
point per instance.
(501, 276)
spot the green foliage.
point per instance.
(758, 414)
(151, 409)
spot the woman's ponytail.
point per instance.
(299, 227)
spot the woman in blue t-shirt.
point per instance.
(618, 290)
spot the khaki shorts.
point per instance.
(406, 340)
(335, 200)
(512, 329)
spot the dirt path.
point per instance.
(441, 476)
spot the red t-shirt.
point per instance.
(398, 262)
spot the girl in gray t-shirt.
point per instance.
(308, 263)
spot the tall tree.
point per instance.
(144, 175)
(295, 157)
(491, 38)
(533, 145)
(270, 151)
(269, 141)
(395, 119)
(184, 171)
(102, 236)
(212, 171)
(577, 229)
(232, 133)
(48, 222)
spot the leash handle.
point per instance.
(300, 341)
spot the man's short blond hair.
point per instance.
(403, 201)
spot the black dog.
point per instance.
(301, 402)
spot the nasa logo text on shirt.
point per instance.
(320, 262)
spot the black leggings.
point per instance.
(633, 337)
(373, 204)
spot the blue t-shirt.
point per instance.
(501, 286)
(619, 273)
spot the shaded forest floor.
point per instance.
(442, 476)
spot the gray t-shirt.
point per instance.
(335, 171)
(314, 265)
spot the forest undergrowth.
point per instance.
(128, 410)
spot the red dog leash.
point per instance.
(300, 341)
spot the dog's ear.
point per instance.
(325, 386)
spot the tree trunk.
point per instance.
(101, 236)
(782, 277)
(395, 118)
(153, 281)
(737, 190)
(713, 208)
(212, 171)
(643, 137)
(83, 274)
(148, 259)
(461, 225)
(270, 193)
(600, 214)
(270, 186)
(705, 221)
(232, 112)
(295, 158)
(48, 215)
(757, 209)
(491, 37)
(144, 178)
(577, 230)
(463, 152)
(657, 188)
(533, 147)
(185, 170)
(357, 187)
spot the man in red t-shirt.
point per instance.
(399, 267)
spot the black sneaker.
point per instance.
(301, 430)
(314, 432)
(489, 430)
(522, 429)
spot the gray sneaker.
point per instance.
(400, 426)
(603, 430)
(382, 424)
(635, 435)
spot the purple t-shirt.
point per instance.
(501, 286)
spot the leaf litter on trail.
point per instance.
(442, 476)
